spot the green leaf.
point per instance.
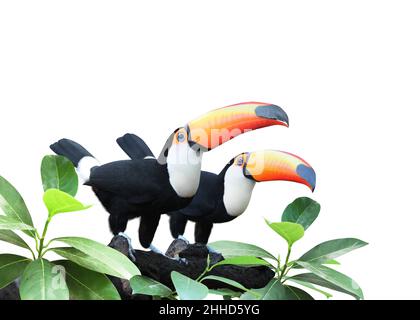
(289, 231)
(11, 237)
(311, 286)
(58, 201)
(313, 278)
(243, 261)
(225, 292)
(41, 280)
(234, 249)
(331, 249)
(187, 288)
(12, 204)
(58, 172)
(303, 211)
(85, 284)
(227, 281)
(118, 265)
(85, 260)
(11, 268)
(332, 261)
(148, 286)
(274, 290)
(9, 223)
(334, 277)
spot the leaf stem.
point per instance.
(206, 270)
(289, 250)
(278, 266)
(41, 240)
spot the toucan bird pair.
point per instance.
(173, 183)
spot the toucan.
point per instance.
(223, 197)
(147, 187)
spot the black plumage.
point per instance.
(222, 197)
(129, 188)
(205, 209)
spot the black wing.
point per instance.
(137, 181)
(134, 146)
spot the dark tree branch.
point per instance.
(190, 260)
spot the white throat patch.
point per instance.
(85, 165)
(238, 191)
(184, 168)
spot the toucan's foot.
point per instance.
(131, 251)
(155, 250)
(181, 237)
(182, 260)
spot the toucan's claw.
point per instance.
(181, 260)
(131, 251)
(177, 258)
(181, 237)
(155, 250)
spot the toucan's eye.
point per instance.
(240, 161)
(181, 137)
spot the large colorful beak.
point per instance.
(221, 125)
(269, 165)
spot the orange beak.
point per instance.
(272, 165)
(220, 125)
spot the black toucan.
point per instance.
(148, 187)
(223, 197)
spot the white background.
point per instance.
(346, 72)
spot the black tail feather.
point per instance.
(134, 146)
(71, 150)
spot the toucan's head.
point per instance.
(221, 125)
(270, 165)
(183, 150)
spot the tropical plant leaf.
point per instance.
(337, 278)
(187, 288)
(148, 286)
(225, 292)
(11, 268)
(243, 261)
(11, 237)
(313, 278)
(118, 264)
(84, 260)
(234, 249)
(58, 201)
(227, 281)
(311, 286)
(85, 284)
(331, 249)
(274, 290)
(289, 231)
(12, 204)
(41, 280)
(9, 223)
(303, 211)
(57, 172)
